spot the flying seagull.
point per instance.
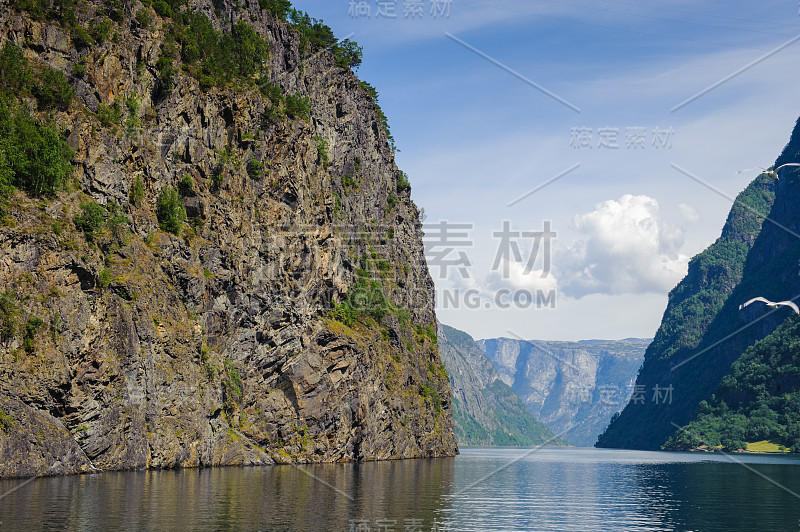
(769, 303)
(771, 173)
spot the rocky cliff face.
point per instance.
(703, 330)
(217, 346)
(485, 409)
(572, 387)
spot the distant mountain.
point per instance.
(486, 411)
(573, 387)
(708, 353)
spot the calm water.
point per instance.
(483, 489)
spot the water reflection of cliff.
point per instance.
(583, 489)
(482, 489)
(720, 496)
(314, 497)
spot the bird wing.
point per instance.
(787, 164)
(767, 301)
(791, 304)
(751, 169)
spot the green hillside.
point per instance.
(759, 400)
(486, 411)
(703, 332)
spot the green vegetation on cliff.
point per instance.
(279, 8)
(316, 35)
(758, 400)
(215, 342)
(486, 411)
(699, 314)
(698, 298)
(9, 315)
(704, 333)
(34, 156)
(373, 92)
(215, 57)
(170, 211)
(516, 426)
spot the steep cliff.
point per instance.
(757, 401)
(289, 318)
(703, 330)
(572, 387)
(485, 409)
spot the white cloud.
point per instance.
(468, 165)
(519, 279)
(627, 248)
(690, 213)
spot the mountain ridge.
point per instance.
(703, 331)
(572, 387)
(486, 410)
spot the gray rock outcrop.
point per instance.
(572, 387)
(485, 409)
(221, 345)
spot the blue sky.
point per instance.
(474, 138)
